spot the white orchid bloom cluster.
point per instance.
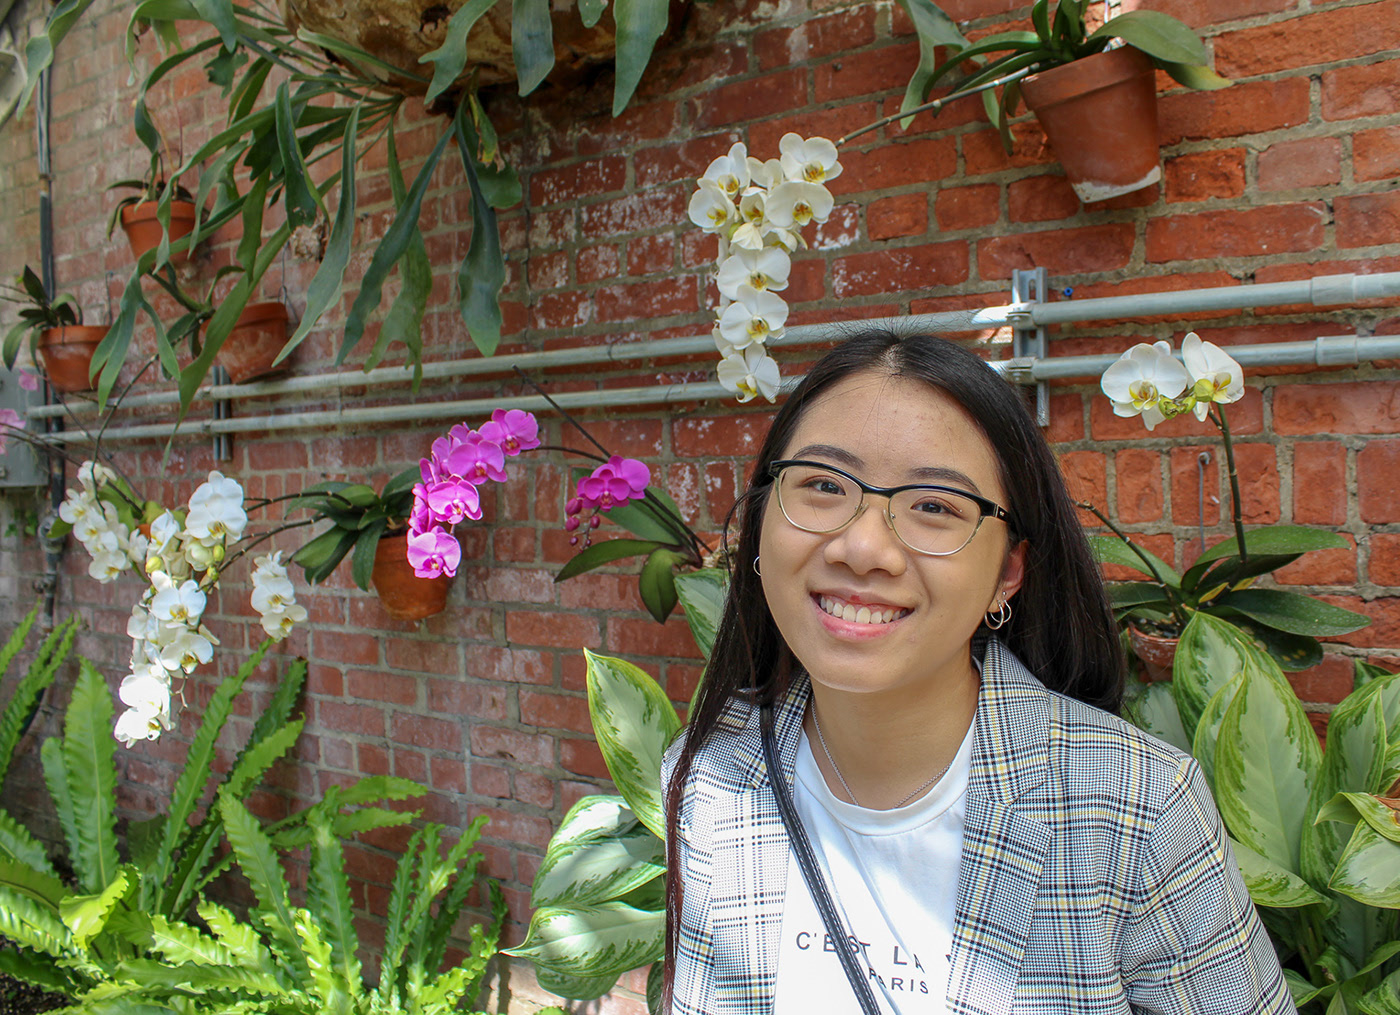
(1148, 381)
(108, 540)
(758, 210)
(274, 597)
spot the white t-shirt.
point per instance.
(894, 878)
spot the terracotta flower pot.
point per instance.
(142, 228)
(254, 342)
(1157, 653)
(1100, 114)
(405, 596)
(67, 355)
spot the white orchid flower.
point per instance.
(183, 604)
(133, 726)
(754, 317)
(811, 161)
(94, 474)
(750, 373)
(1215, 376)
(137, 546)
(764, 175)
(145, 694)
(793, 205)
(269, 564)
(272, 594)
(754, 224)
(141, 626)
(216, 509)
(108, 567)
(1141, 379)
(90, 530)
(710, 207)
(186, 651)
(278, 625)
(768, 268)
(730, 171)
(77, 507)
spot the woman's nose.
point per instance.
(868, 542)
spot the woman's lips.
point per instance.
(870, 615)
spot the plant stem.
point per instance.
(1223, 424)
(1167, 589)
(248, 542)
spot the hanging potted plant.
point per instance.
(148, 215)
(1094, 93)
(1148, 381)
(57, 334)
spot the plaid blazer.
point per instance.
(1096, 876)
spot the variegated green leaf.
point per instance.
(1210, 652)
(600, 852)
(579, 988)
(1350, 807)
(1266, 759)
(702, 594)
(1369, 869)
(1155, 712)
(634, 722)
(1203, 746)
(593, 942)
(1271, 885)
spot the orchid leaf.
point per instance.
(934, 29)
(640, 23)
(1159, 35)
(1293, 612)
(605, 552)
(657, 584)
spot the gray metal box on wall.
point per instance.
(20, 466)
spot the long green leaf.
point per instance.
(640, 23)
(1112, 550)
(604, 552)
(1274, 540)
(634, 722)
(387, 254)
(20, 709)
(1155, 712)
(259, 863)
(532, 42)
(86, 915)
(1210, 653)
(450, 59)
(89, 752)
(329, 893)
(238, 937)
(1266, 759)
(464, 864)
(1159, 35)
(1205, 741)
(17, 638)
(1198, 77)
(38, 53)
(39, 884)
(299, 194)
(56, 779)
(483, 271)
(1293, 612)
(33, 925)
(17, 843)
(404, 321)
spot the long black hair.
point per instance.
(1062, 628)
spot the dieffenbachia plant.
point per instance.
(1315, 831)
(599, 896)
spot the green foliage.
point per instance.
(94, 941)
(302, 960)
(1315, 832)
(359, 517)
(37, 313)
(1283, 623)
(599, 894)
(24, 701)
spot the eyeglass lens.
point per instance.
(931, 521)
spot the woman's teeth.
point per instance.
(859, 614)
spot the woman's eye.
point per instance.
(824, 484)
(934, 506)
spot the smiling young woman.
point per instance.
(918, 645)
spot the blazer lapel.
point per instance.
(1003, 850)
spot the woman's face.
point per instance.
(887, 431)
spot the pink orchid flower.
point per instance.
(9, 418)
(420, 519)
(28, 381)
(434, 553)
(453, 500)
(615, 482)
(515, 430)
(476, 460)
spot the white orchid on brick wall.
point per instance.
(758, 211)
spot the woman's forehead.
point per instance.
(896, 425)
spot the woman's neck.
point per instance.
(881, 747)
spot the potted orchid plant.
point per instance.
(1149, 382)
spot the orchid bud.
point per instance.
(574, 506)
(594, 522)
(571, 523)
(219, 553)
(573, 540)
(154, 564)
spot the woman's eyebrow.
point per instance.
(924, 474)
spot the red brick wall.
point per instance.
(1287, 175)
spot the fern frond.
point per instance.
(56, 778)
(189, 787)
(19, 712)
(398, 912)
(279, 707)
(329, 892)
(257, 858)
(16, 842)
(179, 942)
(41, 886)
(33, 925)
(86, 915)
(325, 978)
(240, 939)
(435, 942)
(17, 638)
(36, 968)
(89, 752)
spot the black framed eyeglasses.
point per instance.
(930, 519)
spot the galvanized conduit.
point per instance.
(1329, 290)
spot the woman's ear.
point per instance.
(1013, 572)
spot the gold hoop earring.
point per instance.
(996, 621)
(755, 568)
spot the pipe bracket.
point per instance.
(1337, 350)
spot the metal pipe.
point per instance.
(1335, 350)
(1325, 290)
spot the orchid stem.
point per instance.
(1224, 425)
(1147, 561)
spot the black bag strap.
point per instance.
(807, 862)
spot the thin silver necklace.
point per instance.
(846, 786)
